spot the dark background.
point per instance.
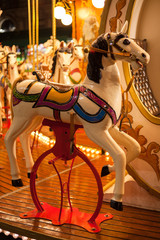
(15, 13)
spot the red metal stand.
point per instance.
(65, 149)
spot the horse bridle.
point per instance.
(111, 44)
(70, 62)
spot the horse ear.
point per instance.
(6, 49)
(62, 44)
(70, 45)
(74, 41)
(80, 41)
(14, 48)
(118, 29)
(125, 27)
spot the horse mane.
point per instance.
(95, 59)
(54, 63)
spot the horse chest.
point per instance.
(110, 88)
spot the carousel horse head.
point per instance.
(2, 53)
(2, 57)
(121, 43)
(12, 58)
(115, 46)
(63, 56)
(78, 49)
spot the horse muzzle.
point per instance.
(65, 68)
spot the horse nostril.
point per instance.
(143, 55)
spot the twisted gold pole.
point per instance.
(37, 29)
(74, 30)
(29, 22)
(53, 25)
(33, 31)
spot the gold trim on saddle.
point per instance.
(59, 97)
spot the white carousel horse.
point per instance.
(2, 62)
(12, 68)
(66, 63)
(74, 72)
(49, 52)
(10, 73)
(96, 105)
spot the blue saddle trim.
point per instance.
(99, 116)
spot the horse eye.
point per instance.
(126, 42)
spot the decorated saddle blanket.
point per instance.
(58, 99)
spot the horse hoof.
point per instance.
(116, 205)
(17, 183)
(29, 175)
(105, 171)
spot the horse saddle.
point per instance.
(52, 95)
(64, 99)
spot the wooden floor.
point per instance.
(131, 223)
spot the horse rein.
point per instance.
(93, 49)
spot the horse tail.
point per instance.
(18, 79)
(35, 73)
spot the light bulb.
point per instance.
(15, 235)
(67, 19)
(83, 12)
(59, 11)
(98, 3)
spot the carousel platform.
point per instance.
(131, 223)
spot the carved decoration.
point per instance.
(113, 21)
(148, 153)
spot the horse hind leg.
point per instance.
(105, 140)
(17, 127)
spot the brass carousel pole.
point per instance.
(37, 29)
(53, 24)
(29, 23)
(74, 30)
(33, 32)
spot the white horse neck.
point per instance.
(109, 87)
(58, 75)
(13, 73)
(110, 76)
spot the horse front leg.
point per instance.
(25, 143)
(132, 146)
(123, 139)
(17, 127)
(104, 140)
